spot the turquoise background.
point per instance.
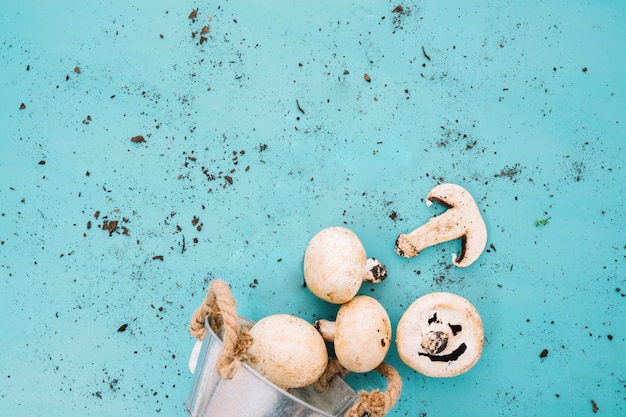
(503, 108)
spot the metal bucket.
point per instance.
(249, 394)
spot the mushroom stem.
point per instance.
(435, 342)
(375, 272)
(327, 329)
(445, 227)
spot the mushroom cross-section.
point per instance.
(440, 335)
(287, 350)
(335, 265)
(462, 220)
(361, 334)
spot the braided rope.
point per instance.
(377, 403)
(221, 309)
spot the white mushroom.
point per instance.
(335, 265)
(288, 351)
(440, 335)
(361, 334)
(462, 220)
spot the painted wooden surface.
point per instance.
(283, 119)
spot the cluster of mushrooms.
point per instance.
(439, 335)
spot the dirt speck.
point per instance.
(110, 226)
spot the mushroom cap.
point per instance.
(440, 335)
(362, 334)
(288, 351)
(334, 264)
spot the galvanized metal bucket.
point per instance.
(249, 394)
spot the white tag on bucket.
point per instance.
(193, 359)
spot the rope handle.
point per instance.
(372, 404)
(377, 403)
(220, 308)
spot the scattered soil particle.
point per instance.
(194, 14)
(157, 258)
(398, 9)
(137, 139)
(96, 214)
(393, 215)
(122, 328)
(544, 353)
(585, 70)
(22, 106)
(110, 226)
(77, 70)
(510, 172)
(610, 337)
(205, 30)
(42, 162)
(594, 406)
(229, 179)
(299, 107)
(367, 77)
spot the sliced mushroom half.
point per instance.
(440, 335)
(462, 221)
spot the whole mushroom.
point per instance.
(287, 350)
(462, 221)
(440, 335)
(335, 265)
(361, 334)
